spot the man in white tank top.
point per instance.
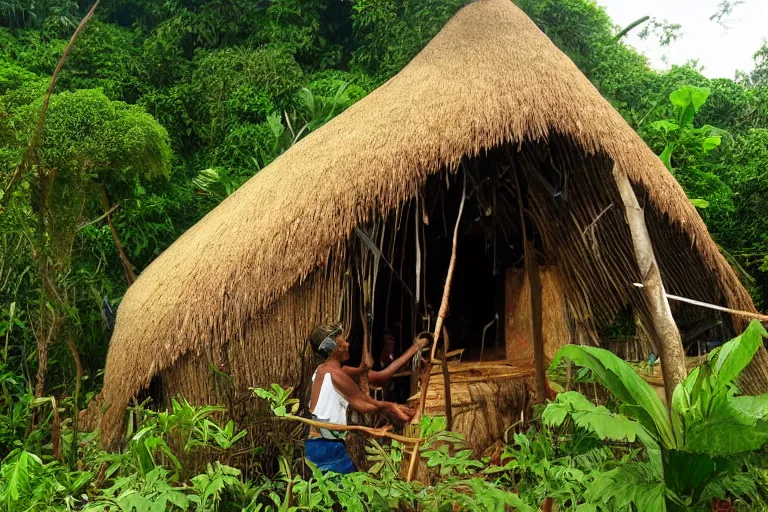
(333, 390)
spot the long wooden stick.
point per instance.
(748, 314)
(376, 432)
(438, 327)
(447, 382)
(366, 358)
(130, 275)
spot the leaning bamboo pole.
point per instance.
(447, 382)
(663, 327)
(438, 327)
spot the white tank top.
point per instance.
(331, 407)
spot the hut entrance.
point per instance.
(489, 309)
(490, 353)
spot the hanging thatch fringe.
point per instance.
(490, 77)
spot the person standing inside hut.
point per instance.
(333, 390)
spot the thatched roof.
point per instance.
(489, 77)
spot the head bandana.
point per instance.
(323, 340)
(327, 346)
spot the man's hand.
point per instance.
(418, 345)
(401, 412)
(367, 362)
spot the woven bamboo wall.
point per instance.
(517, 318)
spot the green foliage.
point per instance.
(392, 32)
(279, 399)
(707, 426)
(105, 57)
(237, 85)
(556, 19)
(165, 89)
(679, 135)
(15, 403)
(759, 75)
(87, 133)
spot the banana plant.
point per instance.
(707, 423)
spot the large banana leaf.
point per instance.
(715, 420)
(639, 399)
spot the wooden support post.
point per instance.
(663, 330)
(438, 328)
(534, 282)
(446, 382)
(367, 358)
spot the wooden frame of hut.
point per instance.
(361, 211)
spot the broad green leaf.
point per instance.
(627, 385)
(735, 355)
(680, 98)
(19, 475)
(603, 422)
(734, 425)
(666, 126)
(699, 96)
(651, 498)
(554, 414)
(687, 100)
(685, 471)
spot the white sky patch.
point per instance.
(721, 51)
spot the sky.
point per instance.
(721, 51)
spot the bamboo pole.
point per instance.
(748, 314)
(438, 327)
(366, 359)
(376, 432)
(446, 382)
(663, 328)
(534, 281)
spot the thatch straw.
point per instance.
(489, 77)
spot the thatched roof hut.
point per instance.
(244, 286)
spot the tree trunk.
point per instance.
(663, 329)
(130, 275)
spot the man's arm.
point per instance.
(381, 377)
(360, 403)
(353, 371)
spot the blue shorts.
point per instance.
(329, 455)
